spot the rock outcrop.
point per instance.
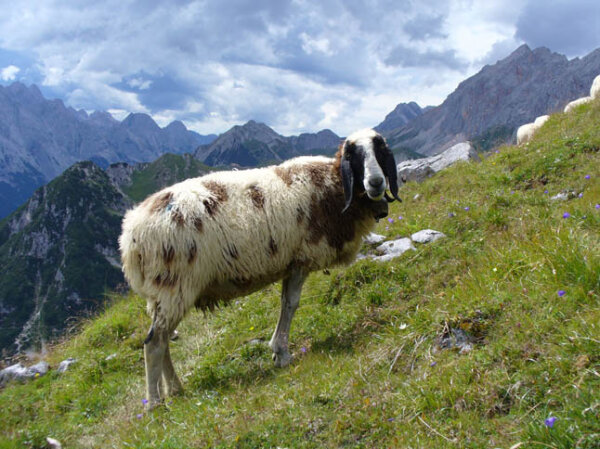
(421, 169)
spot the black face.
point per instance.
(353, 169)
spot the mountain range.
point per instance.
(254, 144)
(58, 251)
(40, 138)
(488, 107)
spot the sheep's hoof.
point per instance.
(282, 359)
(153, 404)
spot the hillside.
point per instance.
(138, 181)
(59, 253)
(517, 275)
(488, 107)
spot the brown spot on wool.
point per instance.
(219, 196)
(177, 217)
(300, 215)
(168, 254)
(285, 174)
(327, 221)
(166, 279)
(192, 252)
(233, 252)
(159, 201)
(272, 247)
(257, 196)
(318, 172)
(198, 223)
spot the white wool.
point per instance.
(595, 89)
(525, 133)
(539, 122)
(237, 226)
(576, 103)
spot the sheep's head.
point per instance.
(368, 167)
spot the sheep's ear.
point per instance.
(347, 181)
(391, 172)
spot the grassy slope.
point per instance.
(368, 372)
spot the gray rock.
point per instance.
(16, 371)
(427, 236)
(110, 357)
(53, 443)
(394, 248)
(420, 169)
(19, 372)
(373, 238)
(65, 364)
(40, 368)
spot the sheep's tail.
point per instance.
(133, 263)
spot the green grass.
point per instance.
(368, 370)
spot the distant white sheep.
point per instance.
(526, 132)
(569, 107)
(539, 122)
(211, 239)
(595, 89)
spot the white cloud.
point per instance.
(9, 73)
(297, 65)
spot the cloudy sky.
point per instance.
(297, 65)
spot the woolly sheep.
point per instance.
(211, 239)
(525, 133)
(576, 103)
(595, 89)
(539, 122)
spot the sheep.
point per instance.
(573, 104)
(595, 89)
(525, 133)
(208, 240)
(539, 122)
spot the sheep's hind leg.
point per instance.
(155, 347)
(290, 298)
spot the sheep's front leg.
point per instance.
(290, 298)
(155, 348)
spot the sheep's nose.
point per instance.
(375, 181)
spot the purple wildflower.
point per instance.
(387, 228)
(467, 208)
(433, 364)
(399, 217)
(139, 416)
(566, 215)
(550, 421)
(144, 401)
(587, 176)
(390, 220)
(561, 293)
(580, 195)
(391, 419)
(451, 214)
(303, 349)
(546, 191)
(597, 206)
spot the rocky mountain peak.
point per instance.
(401, 115)
(140, 122)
